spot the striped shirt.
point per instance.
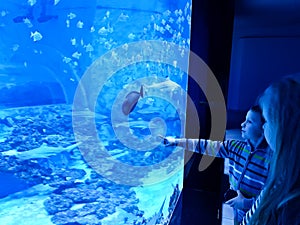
(251, 211)
(248, 166)
(289, 214)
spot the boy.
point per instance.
(248, 160)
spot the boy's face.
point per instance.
(252, 126)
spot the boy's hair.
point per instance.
(257, 109)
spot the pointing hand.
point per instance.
(168, 141)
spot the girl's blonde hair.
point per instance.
(283, 183)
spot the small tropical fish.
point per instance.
(123, 17)
(71, 16)
(131, 100)
(15, 47)
(79, 24)
(76, 55)
(67, 59)
(3, 13)
(73, 41)
(131, 36)
(27, 22)
(167, 13)
(88, 48)
(103, 31)
(36, 36)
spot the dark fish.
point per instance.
(131, 100)
(20, 19)
(45, 18)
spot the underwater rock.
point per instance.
(89, 213)
(72, 174)
(5, 147)
(101, 214)
(65, 218)
(31, 172)
(62, 185)
(92, 183)
(88, 220)
(83, 215)
(9, 164)
(87, 209)
(99, 196)
(27, 172)
(81, 195)
(95, 175)
(101, 182)
(133, 209)
(57, 204)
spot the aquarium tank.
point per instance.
(88, 88)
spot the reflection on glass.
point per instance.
(86, 88)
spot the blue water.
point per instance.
(68, 154)
(12, 184)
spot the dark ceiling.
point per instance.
(269, 12)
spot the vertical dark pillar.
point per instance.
(211, 36)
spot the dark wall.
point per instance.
(211, 34)
(211, 37)
(265, 47)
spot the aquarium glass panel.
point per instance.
(88, 88)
